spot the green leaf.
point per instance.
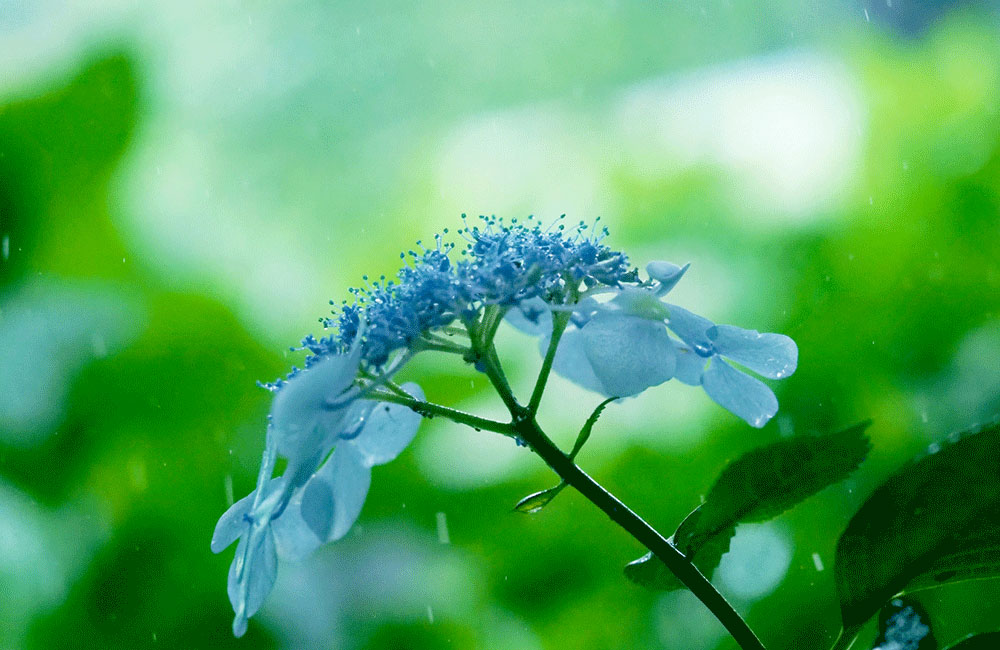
(650, 572)
(931, 511)
(974, 555)
(588, 426)
(765, 482)
(986, 641)
(758, 486)
(532, 503)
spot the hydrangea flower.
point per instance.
(305, 507)
(621, 347)
(334, 420)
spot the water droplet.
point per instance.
(430, 615)
(6, 247)
(867, 17)
(442, 529)
(933, 448)
(817, 561)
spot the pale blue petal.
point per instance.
(388, 431)
(349, 479)
(690, 366)
(531, 316)
(302, 401)
(232, 523)
(692, 329)
(740, 394)
(292, 535)
(642, 303)
(584, 310)
(628, 354)
(571, 360)
(317, 507)
(252, 575)
(771, 355)
(667, 274)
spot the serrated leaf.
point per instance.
(758, 486)
(765, 482)
(534, 502)
(986, 641)
(649, 571)
(927, 511)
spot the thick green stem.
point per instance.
(527, 429)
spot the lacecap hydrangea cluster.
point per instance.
(623, 337)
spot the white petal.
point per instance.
(771, 355)
(628, 354)
(531, 316)
(739, 393)
(388, 431)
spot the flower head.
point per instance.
(635, 340)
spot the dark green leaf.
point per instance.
(765, 482)
(758, 486)
(974, 555)
(923, 514)
(534, 502)
(987, 641)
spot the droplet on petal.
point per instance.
(692, 329)
(771, 355)
(740, 394)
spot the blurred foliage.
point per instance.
(148, 421)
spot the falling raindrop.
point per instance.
(817, 561)
(6, 247)
(442, 529)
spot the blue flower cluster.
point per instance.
(622, 339)
(501, 264)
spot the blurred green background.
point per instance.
(184, 186)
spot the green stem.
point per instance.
(527, 429)
(634, 525)
(430, 410)
(560, 320)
